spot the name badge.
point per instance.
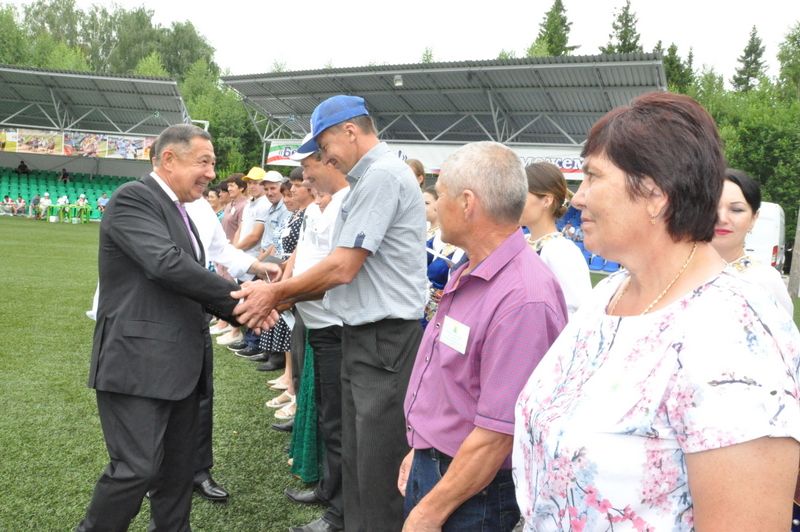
(454, 334)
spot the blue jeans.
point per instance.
(492, 509)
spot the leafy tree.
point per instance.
(427, 55)
(52, 54)
(13, 41)
(553, 35)
(507, 54)
(680, 73)
(151, 66)
(752, 63)
(98, 36)
(278, 66)
(625, 38)
(181, 46)
(789, 58)
(57, 18)
(137, 38)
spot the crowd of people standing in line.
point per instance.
(461, 373)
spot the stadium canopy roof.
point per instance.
(79, 101)
(546, 100)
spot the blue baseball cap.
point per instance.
(330, 112)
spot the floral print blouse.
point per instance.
(605, 420)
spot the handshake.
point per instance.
(259, 300)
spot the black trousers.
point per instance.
(297, 350)
(204, 456)
(146, 441)
(327, 346)
(376, 366)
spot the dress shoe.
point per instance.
(208, 489)
(284, 427)
(261, 357)
(248, 352)
(237, 346)
(270, 365)
(303, 496)
(317, 525)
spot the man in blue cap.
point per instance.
(374, 280)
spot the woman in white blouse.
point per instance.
(736, 216)
(547, 201)
(671, 400)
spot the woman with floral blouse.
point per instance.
(671, 399)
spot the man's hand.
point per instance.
(417, 521)
(266, 270)
(260, 299)
(405, 469)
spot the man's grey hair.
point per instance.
(180, 135)
(494, 173)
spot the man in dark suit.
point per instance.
(152, 351)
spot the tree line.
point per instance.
(758, 116)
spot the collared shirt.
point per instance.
(385, 215)
(174, 197)
(214, 240)
(507, 312)
(315, 243)
(255, 212)
(277, 218)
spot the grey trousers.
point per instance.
(376, 366)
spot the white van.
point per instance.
(767, 241)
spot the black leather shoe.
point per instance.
(303, 496)
(261, 357)
(284, 427)
(270, 365)
(208, 489)
(237, 346)
(249, 352)
(318, 525)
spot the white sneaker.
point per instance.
(216, 329)
(234, 335)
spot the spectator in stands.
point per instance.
(419, 171)
(64, 177)
(21, 207)
(8, 205)
(671, 400)
(375, 282)
(44, 205)
(82, 201)
(34, 208)
(736, 216)
(23, 168)
(547, 201)
(102, 201)
(498, 315)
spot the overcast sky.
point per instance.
(250, 37)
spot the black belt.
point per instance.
(437, 455)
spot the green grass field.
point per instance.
(50, 439)
(52, 447)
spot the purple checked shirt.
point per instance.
(514, 310)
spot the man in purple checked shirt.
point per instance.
(499, 314)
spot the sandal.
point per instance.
(282, 400)
(287, 412)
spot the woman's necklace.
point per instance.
(663, 292)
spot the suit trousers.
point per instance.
(327, 346)
(376, 366)
(146, 441)
(204, 456)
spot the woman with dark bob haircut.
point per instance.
(671, 400)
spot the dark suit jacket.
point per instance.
(149, 340)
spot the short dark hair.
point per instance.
(237, 178)
(432, 192)
(180, 134)
(296, 174)
(674, 141)
(749, 187)
(286, 186)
